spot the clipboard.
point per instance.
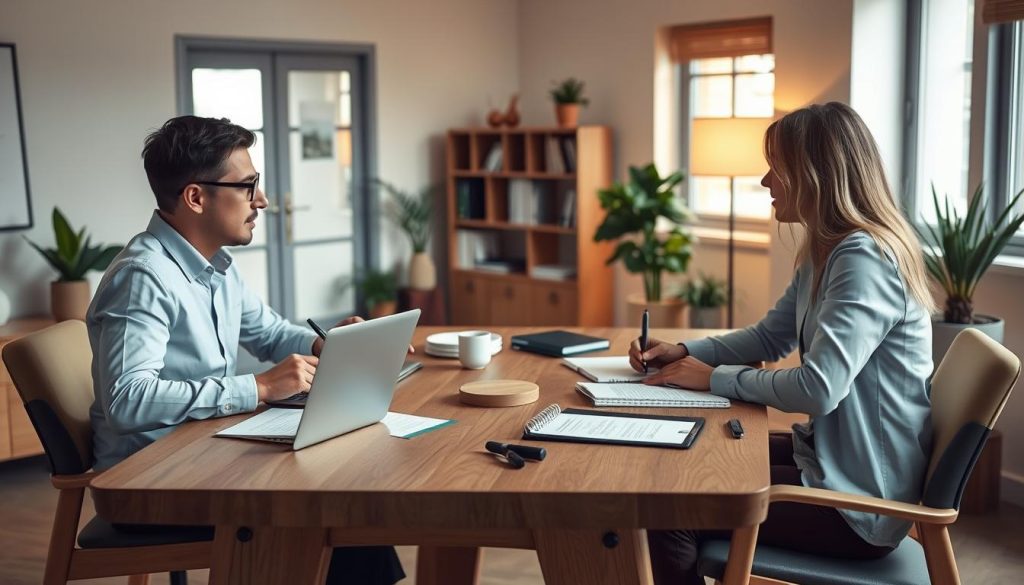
(555, 424)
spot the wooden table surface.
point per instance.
(442, 488)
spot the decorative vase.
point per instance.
(5, 308)
(69, 300)
(943, 333)
(567, 115)
(422, 275)
(512, 112)
(707, 317)
(383, 309)
(666, 313)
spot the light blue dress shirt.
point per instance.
(165, 325)
(866, 362)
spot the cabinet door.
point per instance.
(554, 305)
(510, 303)
(469, 300)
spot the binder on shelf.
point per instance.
(553, 156)
(569, 150)
(577, 425)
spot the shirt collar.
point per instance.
(192, 264)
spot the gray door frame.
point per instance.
(364, 164)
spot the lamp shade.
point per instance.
(728, 147)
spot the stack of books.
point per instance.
(528, 202)
(560, 154)
(554, 272)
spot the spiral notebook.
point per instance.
(618, 394)
(577, 425)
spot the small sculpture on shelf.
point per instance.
(510, 119)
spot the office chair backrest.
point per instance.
(52, 371)
(969, 390)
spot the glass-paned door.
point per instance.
(309, 119)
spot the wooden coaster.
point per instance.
(494, 393)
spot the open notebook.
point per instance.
(606, 369)
(617, 394)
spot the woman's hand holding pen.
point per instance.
(688, 372)
(658, 354)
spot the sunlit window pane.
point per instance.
(317, 86)
(1016, 146)
(755, 64)
(752, 200)
(710, 195)
(712, 96)
(709, 66)
(755, 95)
(944, 113)
(345, 110)
(235, 94)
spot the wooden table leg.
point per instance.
(741, 556)
(444, 565)
(265, 555)
(586, 556)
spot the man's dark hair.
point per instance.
(187, 149)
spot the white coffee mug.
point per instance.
(475, 349)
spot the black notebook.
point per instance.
(558, 343)
(577, 425)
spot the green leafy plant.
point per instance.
(74, 256)
(962, 249)
(569, 91)
(705, 292)
(411, 213)
(634, 209)
(378, 286)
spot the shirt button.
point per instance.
(229, 407)
(209, 269)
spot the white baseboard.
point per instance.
(1012, 488)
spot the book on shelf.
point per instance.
(569, 150)
(470, 199)
(567, 218)
(500, 266)
(493, 162)
(554, 272)
(475, 246)
(528, 202)
(553, 156)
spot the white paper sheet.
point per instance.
(618, 428)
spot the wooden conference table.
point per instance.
(584, 509)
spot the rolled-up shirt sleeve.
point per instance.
(862, 301)
(266, 334)
(771, 339)
(136, 314)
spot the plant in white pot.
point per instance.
(958, 251)
(413, 214)
(706, 297)
(633, 209)
(72, 258)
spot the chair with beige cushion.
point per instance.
(52, 371)
(968, 392)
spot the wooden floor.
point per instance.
(989, 549)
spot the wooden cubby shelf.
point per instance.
(522, 212)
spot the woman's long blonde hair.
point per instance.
(827, 160)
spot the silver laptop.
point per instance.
(352, 388)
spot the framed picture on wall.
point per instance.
(15, 202)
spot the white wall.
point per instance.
(97, 76)
(611, 45)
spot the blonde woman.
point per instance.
(857, 310)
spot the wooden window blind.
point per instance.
(730, 38)
(997, 11)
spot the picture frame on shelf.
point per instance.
(15, 198)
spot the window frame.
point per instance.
(1005, 70)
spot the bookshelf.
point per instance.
(522, 211)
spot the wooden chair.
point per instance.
(52, 371)
(969, 389)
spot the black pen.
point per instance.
(643, 336)
(319, 331)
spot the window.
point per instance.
(728, 88)
(1008, 150)
(939, 83)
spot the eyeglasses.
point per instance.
(250, 185)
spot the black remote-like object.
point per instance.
(736, 428)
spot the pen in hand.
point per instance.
(643, 336)
(319, 331)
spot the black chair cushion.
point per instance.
(99, 533)
(903, 566)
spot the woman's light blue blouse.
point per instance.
(865, 363)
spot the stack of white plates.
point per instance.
(446, 344)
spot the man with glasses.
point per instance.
(171, 311)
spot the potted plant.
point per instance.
(706, 297)
(634, 209)
(380, 289)
(568, 96)
(412, 214)
(72, 258)
(958, 252)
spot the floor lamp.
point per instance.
(728, 147)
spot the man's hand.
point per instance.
(318, 345)
(689, 373)
(294, 374)
(658, 354)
